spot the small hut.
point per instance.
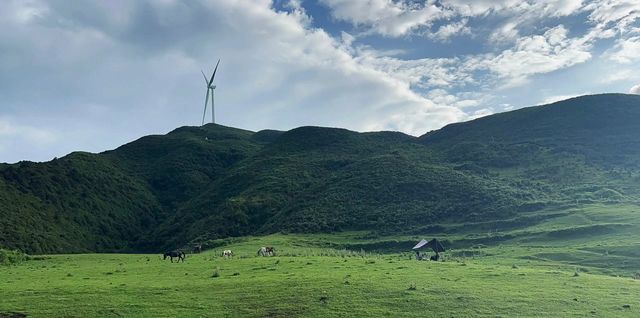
(434, 245)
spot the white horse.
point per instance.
(227, 253)
(262, 251)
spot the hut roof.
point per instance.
(420, 244)
(434, 244)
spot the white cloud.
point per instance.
(347, 39)
(22, 12)
(13, 136)
(506, 33)
(635, 89)
(623, 12)
(423, 73)
(530, 55)
(449, 30)
(539, 54)
(402, 17)
(540, 8)
(626, 50)
(482, 113)
(558, 98)
(559, 8)
(386, 17)
(616, 76)
(34, 135)
(470, 8)
(442, 97)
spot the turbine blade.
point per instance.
(214, 73)
(205, 78)
(206, 101)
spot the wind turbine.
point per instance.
(210, 88)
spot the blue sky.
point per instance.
(87, 75)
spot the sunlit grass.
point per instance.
(532, 274)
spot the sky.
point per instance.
(93, 75)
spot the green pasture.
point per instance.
(576, 263)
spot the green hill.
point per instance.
(602, 129)
(583, 149)
(82, 202)
(319, 179)
(210, 182)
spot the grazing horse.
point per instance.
(271, 251)
(267, 251)
(179, 254)
(197, 248)
(227, 253)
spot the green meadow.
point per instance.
(575, 262)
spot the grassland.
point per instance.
(577, 262)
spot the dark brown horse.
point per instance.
(271, 251)
(179, 254)
(267, 251)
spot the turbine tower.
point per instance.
(210, 88)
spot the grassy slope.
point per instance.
(99, 286)
(532, 274)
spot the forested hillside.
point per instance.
(199, 183)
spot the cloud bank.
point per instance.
(93, 75)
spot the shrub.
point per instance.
(216, 272)
(8, 257)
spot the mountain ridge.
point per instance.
(203, 183)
